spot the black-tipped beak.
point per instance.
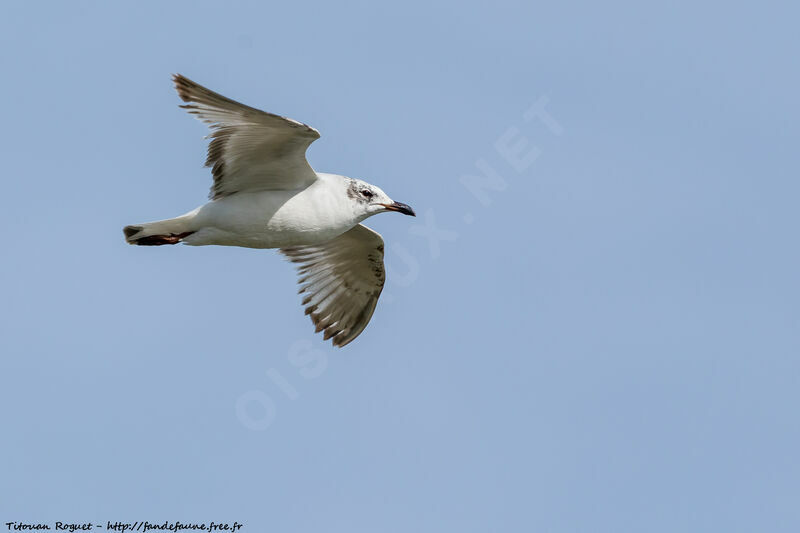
(400, 208)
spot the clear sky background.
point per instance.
(604, 338)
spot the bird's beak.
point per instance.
(400, 208)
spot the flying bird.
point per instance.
(266, 195)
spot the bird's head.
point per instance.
(371, 200)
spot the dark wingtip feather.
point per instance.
(183, 85)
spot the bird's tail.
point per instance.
(170, 231)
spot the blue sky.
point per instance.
(603, 338)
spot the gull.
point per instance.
(266, 195)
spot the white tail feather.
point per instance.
(170, 229)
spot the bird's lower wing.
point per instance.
(342, 280)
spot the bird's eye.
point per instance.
(366, 193)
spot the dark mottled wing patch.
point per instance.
(249, 150)
(341, 280)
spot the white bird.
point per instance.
(266, 195)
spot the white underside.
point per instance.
(264, 219)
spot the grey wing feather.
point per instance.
(342, 280)
(249, 149)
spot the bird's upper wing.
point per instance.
(249, 149)
(342, 279)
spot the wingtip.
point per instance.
(182, 85)
(341, 343)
